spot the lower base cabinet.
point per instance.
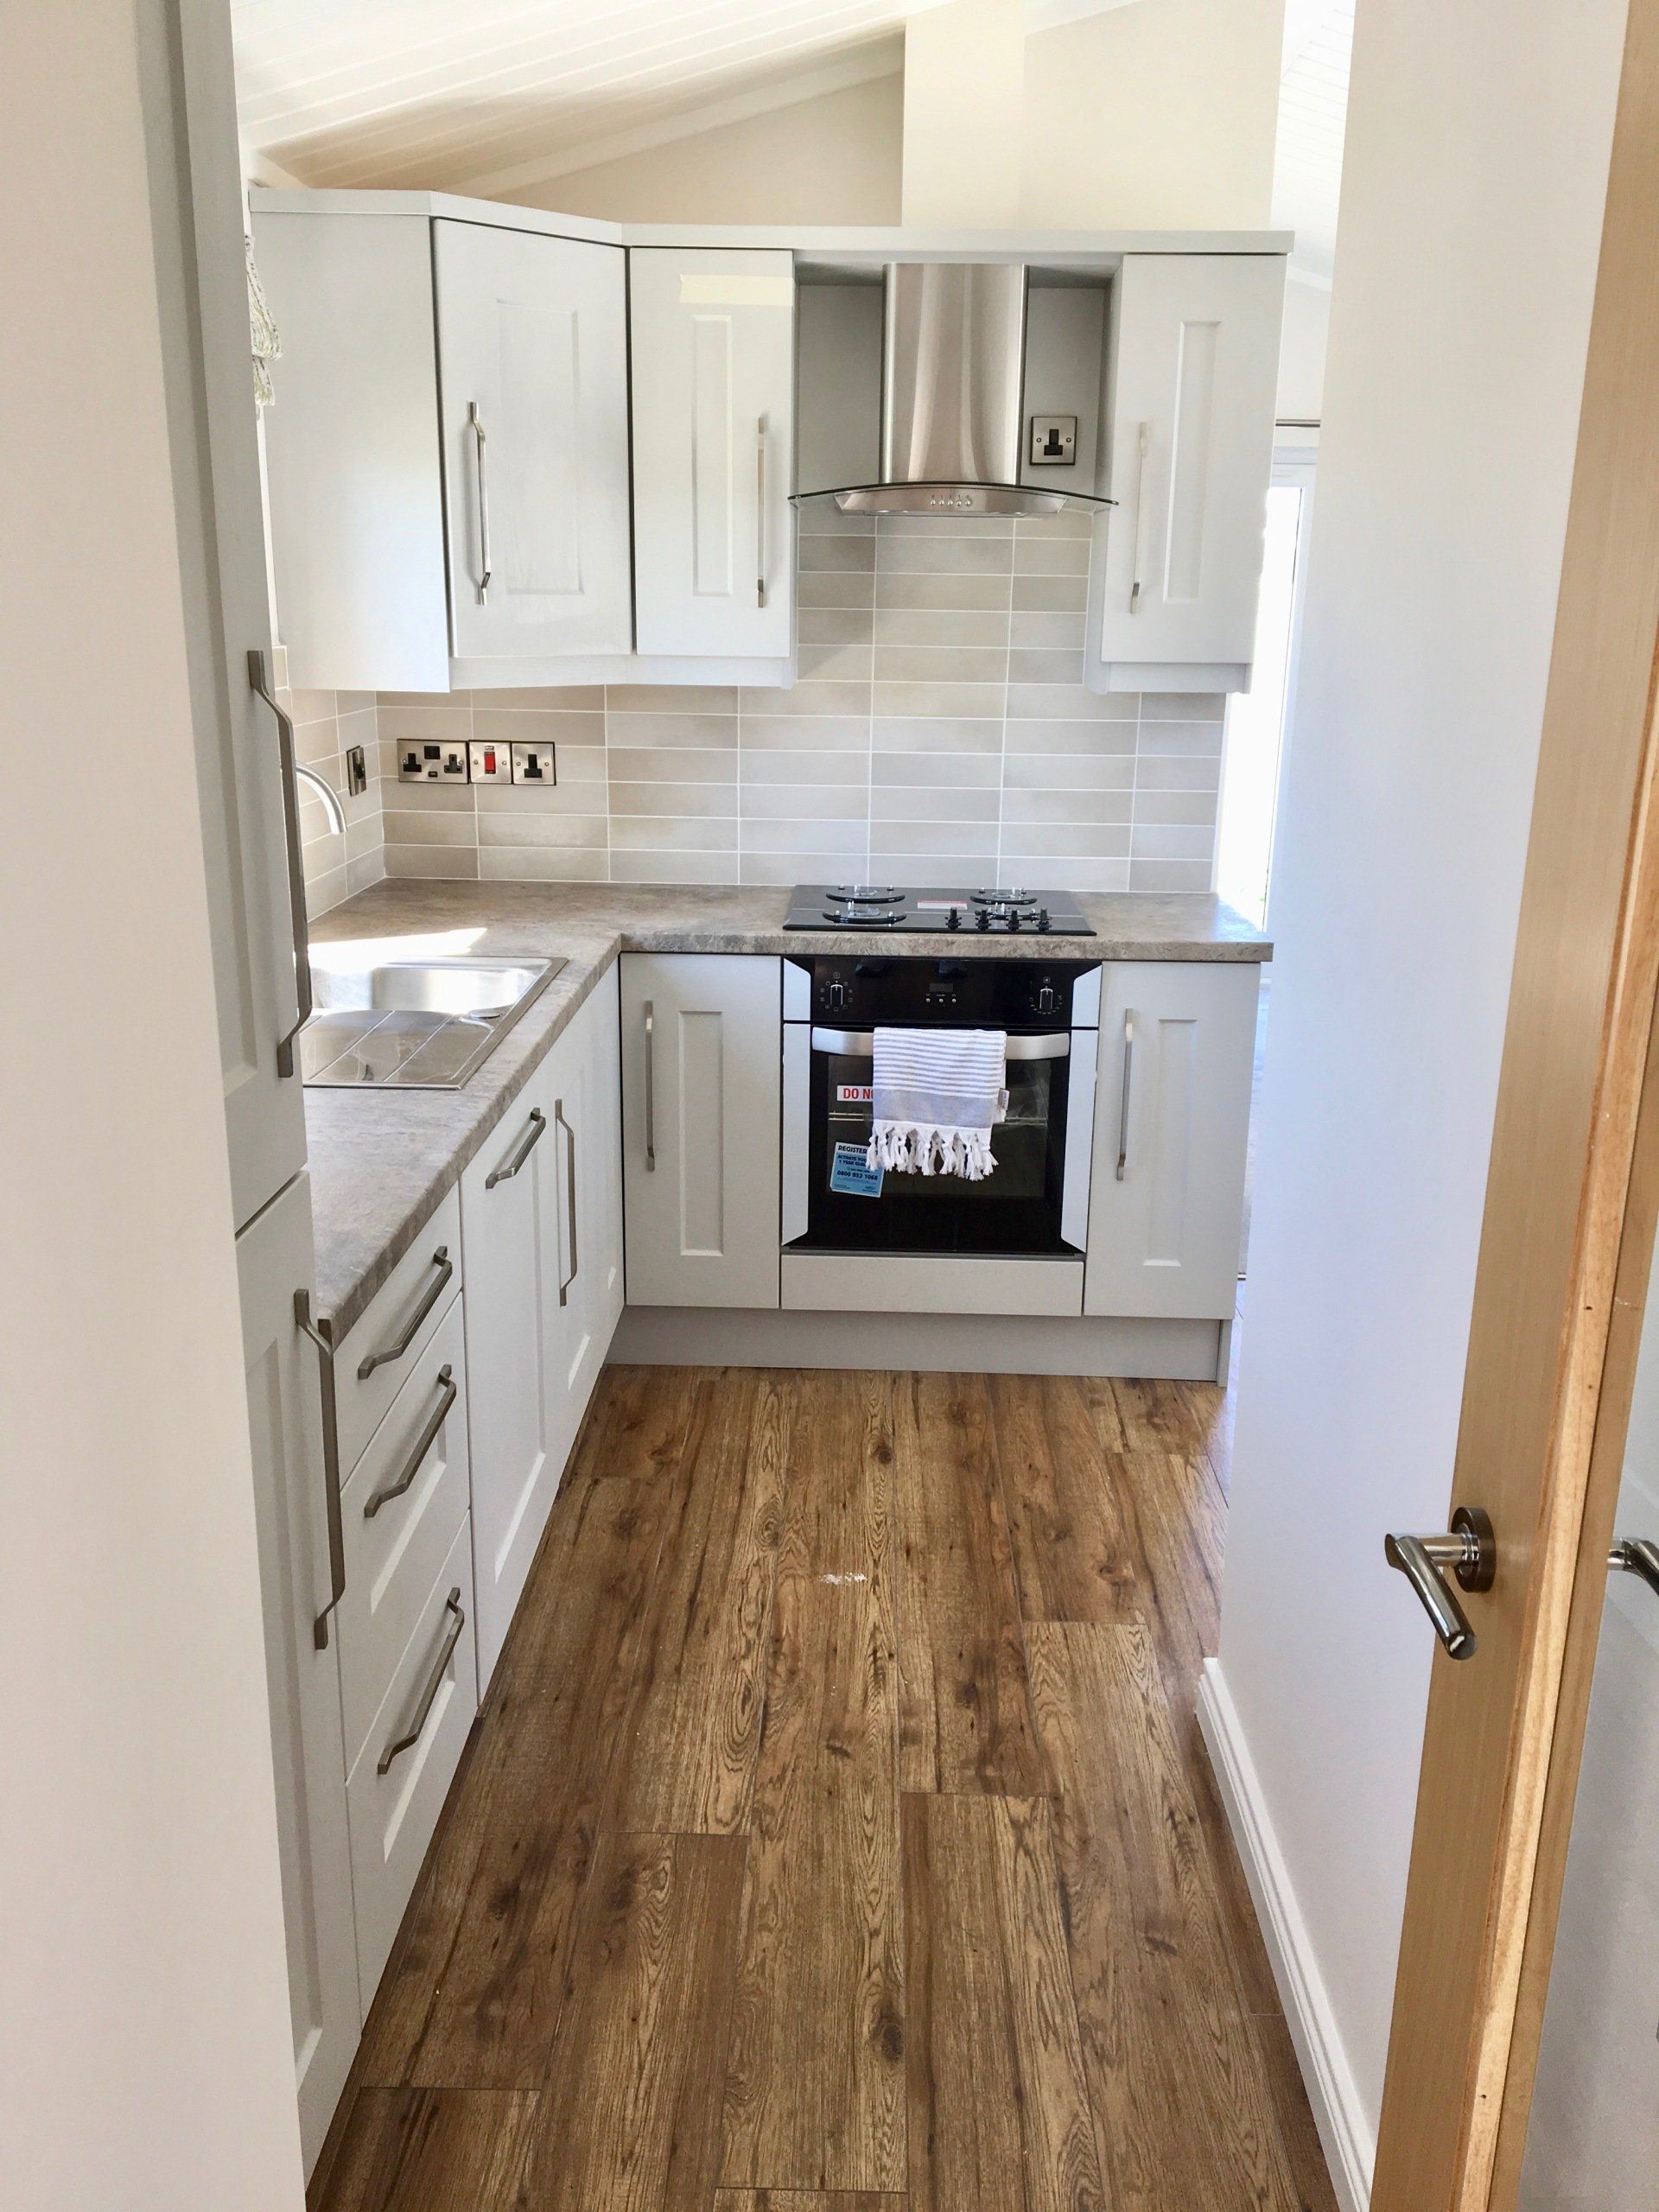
(274, 1260)
(1171, 1131)
(402, 1776)
(541, 1231)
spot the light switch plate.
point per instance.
(534, 764)
(432, 764)
(1053, 441)
(490, 763)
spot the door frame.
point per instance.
(1571, 1197)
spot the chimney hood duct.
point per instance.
(952, 396)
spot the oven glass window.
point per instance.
(1015, 1209)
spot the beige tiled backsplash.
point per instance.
(939, 731)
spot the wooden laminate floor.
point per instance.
(837, 1832)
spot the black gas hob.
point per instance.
(884, 909)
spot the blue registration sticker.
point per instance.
(850, 1172)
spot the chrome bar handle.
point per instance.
(1469, 1550)
(761, 561)
(322, 1335)
(421, 1446)
(399, 1345)
(1123, 1106)
(259, 678)
(651, 1088)
(475, 423)
(860, 1044)
(565, 1281)
(1142, 443)
(538, 1130)
(452, 1604)
(1637, 1555)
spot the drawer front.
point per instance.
(393, 1813)
(399, 1514)
(377, 1359)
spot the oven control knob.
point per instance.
(835, 996)
(1048, 999)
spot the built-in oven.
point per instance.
(1034, 1204)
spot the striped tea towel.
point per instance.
(937, 1093)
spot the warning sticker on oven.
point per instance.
(851, 1173)
(854, 1094)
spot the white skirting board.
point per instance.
(946, 1343)
(1344, 2130)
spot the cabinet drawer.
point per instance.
(396, 1544)
(393, 1813)
(395, 1331)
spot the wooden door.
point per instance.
(713, 361)
(1195, 349)
(1570, 1205)
(532, 368)
(512, 1278)
(197, 219)
(274, 1260)
(1172, 1125)
(702, 1129)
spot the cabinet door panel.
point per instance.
(1196, 360)
(701, 1061)
(275, 1259)
(511, 1277)
(713, 364)
(582, 1073)
(532, 362)
(1167, 1190)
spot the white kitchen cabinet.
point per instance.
(274, 1260)
(701, 1103)
(1194, 364)
(532, 371)
(713, 362)
(583, 1201)
(1172, 1126)
(512, 1274)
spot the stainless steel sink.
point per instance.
(420, 1025)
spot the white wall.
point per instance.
(834, 159)
(964, 98)
(1302, 349)
(1158, 115)
(145, 2053)
(1477, 146)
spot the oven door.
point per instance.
(1020, 1209)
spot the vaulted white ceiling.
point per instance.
(474, 93)
(1312, 115)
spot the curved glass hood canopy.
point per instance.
(952, 398)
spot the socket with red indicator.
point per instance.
(490, 763)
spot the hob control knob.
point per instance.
(982, 919)
(953, 919)
(1043, 922)
(1014, 919)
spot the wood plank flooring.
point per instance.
(837, 1836)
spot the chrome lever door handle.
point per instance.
(537, 1129)
(411, 1328)
(761, 561)
(565, 1281)
(1637, 1555)
(1469, 1550)
(650, 1087)
(475, 423)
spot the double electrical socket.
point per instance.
(478, 762)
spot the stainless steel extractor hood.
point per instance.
(952, 395)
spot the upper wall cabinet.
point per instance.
(448, 454)
(714, 425)
(532, 368)
(1192, 376)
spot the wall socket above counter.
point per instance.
(478, 762)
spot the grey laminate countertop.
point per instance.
(381, 1160)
